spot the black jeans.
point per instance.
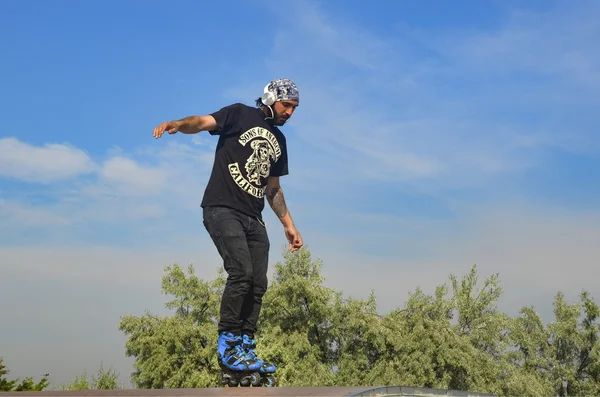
(243, 243)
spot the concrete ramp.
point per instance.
(382, 391)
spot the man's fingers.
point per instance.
(294, 240)
(296, 243)
(159, 130)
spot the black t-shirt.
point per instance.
(249, 150)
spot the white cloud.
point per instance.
(109, 265)
(453, 118)
(558, 43)
(163, 183)
(44, 164)
(16, 215)
(377, 126)
(131, 178)
(543, 61)
(337, 40)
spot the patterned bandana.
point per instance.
(284, 90)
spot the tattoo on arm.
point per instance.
(275, 197)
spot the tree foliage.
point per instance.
(177, 351)
(26, 384)
(103, 380)
(455, 338)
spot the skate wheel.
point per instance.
(223, 380)
(245, 381)
(233, 382)
(270, 381)
(255, 379)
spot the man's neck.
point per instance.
(266, 115)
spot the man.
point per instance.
(251, 156)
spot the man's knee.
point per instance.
(260, 285)
(241, 276)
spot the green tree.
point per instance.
(5, 384)
(295, 328)
(574, 346)
(529, 357)
(452, 341)
(566, 349)
(106, 379)
(421, 347)
(177, 351)
(26, 384)
(484, 327)
(79, 382)
(103, 380)
(358, 340)
(455, 338)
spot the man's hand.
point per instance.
(169, 126)
(294, 238)
(277, 201)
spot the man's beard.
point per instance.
(280, 120)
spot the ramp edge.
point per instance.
(411, 391)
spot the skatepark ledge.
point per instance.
(379, 391)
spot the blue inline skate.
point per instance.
(266, 368)
(238, 368)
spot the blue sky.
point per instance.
(429, 138)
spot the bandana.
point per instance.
(284, 90)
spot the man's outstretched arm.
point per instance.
(186, 125)
(277, 203)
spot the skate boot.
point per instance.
(266, 369)
(237, 367)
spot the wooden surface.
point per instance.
(217, 392)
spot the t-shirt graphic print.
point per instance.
(265, 150)
(248, 152)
